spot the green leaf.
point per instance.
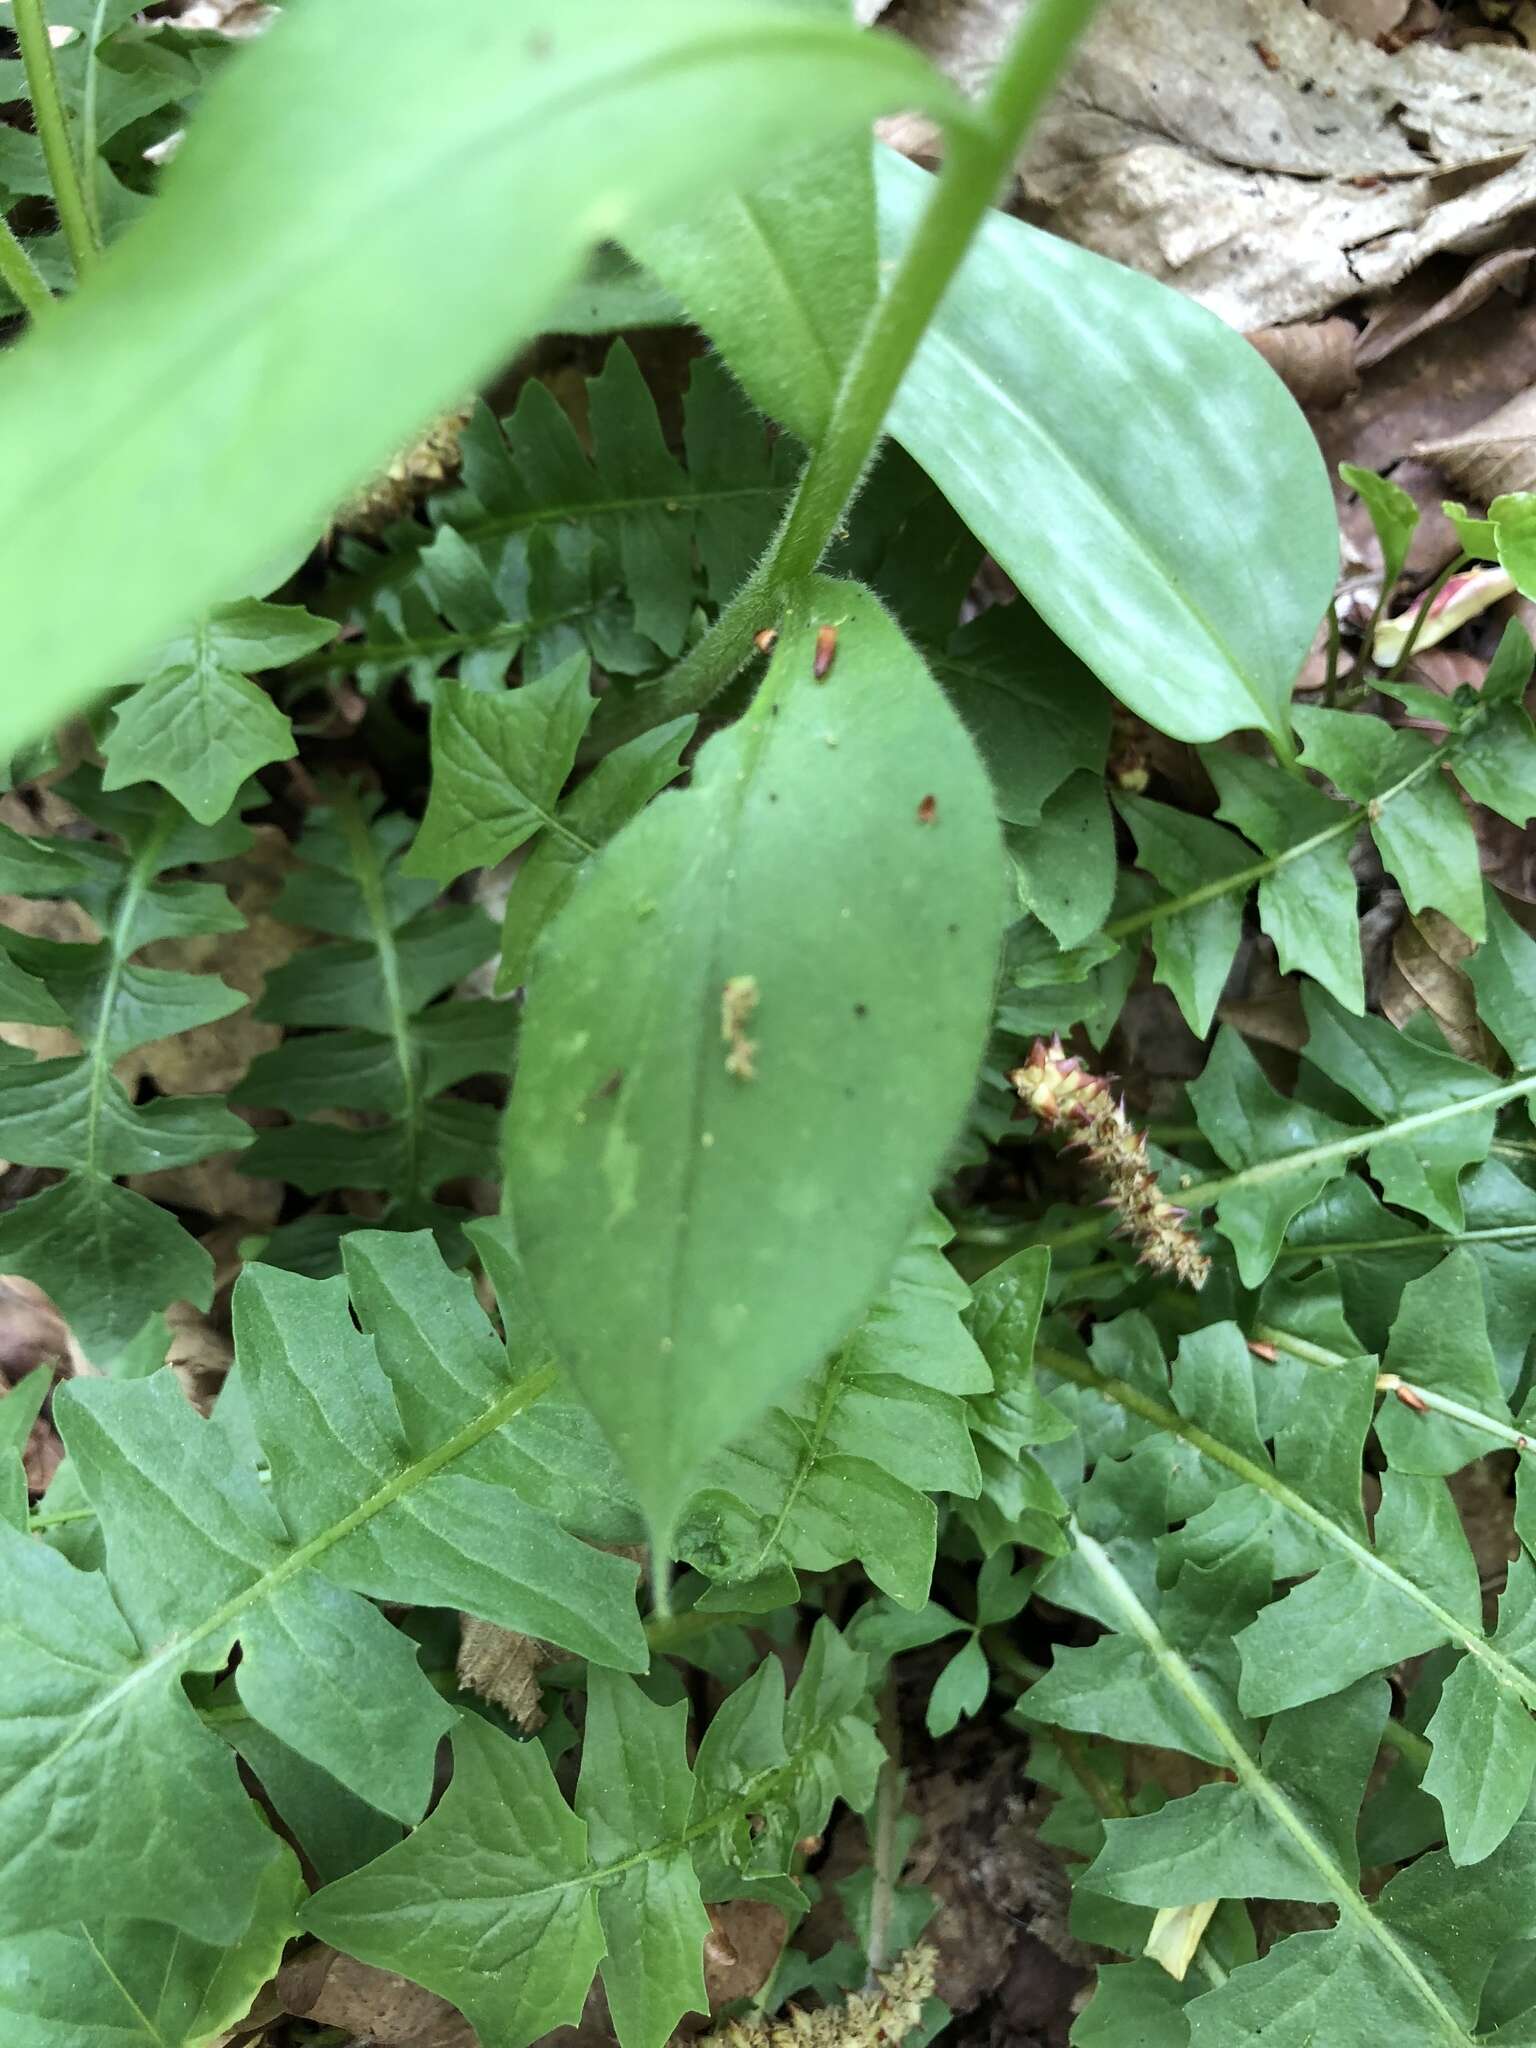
(1513, 518)
(960, 1690)
(1394, 1077)
(754, 1198)
(1421, 831)
(19, 1410)
(584, 120)
(1393, 513)
(1194, 948)
(1050, 438)
(1475, 535)
(1248, 1123)
(108, 1257)
(1509, 672)
(1035, 713)
(842, 1468)
(1440, 1343)
(618, 789)
(528, 1898)
(402, 1467)
(396, 952)
(1064, 867)
(1243, 1840)
(1412, 1970)
(1495, 762)
(498, 766)
(1503, 973)
(1484, 1737)
(1308, 901)
(124, 1983)
(195, 724)
(781, 277)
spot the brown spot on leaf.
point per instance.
(826, 652)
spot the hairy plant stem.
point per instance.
(53, 132)
(21, 275)
(980, 154)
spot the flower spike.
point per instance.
(1064, 1096)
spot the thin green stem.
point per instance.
(980, 156)
(1288, 1819)
(1257, 871)
(1413, 1749)
(1331, 679)
(1421, 615)
(1203, 1193)
(53, 132)
(1420, 1240)
(884, 1846)
(22, 276)
(370, 881)
(1456, 1411)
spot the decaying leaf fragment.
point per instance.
(857, 2023)
(503, 1666)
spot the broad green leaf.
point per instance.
(1475, 535)
(124, 1983)
(1035, 713)
(196, 725)
(1050, 436)
(1343, 1623)
(528, 1898)
(1288, 1833)
(1509, 672)
(1495, 762)
(1064, 866)
(618, 789)
(1440, 1342)
(1194, 948)
(781, 277)
(1396, 1078)
(843, 1468)
(751, 1196)
(1308, 900)
(91, 1728)
(1393, 513)
(580, 121)
(1503, 972)
(1513, 518)
(1410, 1969)
(402, 1467)
(498, 766)
(1421, 831)
(1484, 1737)
(1248, 1122)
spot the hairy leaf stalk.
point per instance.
(1060, 1091)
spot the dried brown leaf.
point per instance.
(1314, 359)
(1426, 974)
(337, 1991)
(503, 1666)
(1498, 454)
(1432, 299)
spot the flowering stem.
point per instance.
(53, 132)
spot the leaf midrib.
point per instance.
(174, 1651)
(1262, 1789)
(1505, 1674)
